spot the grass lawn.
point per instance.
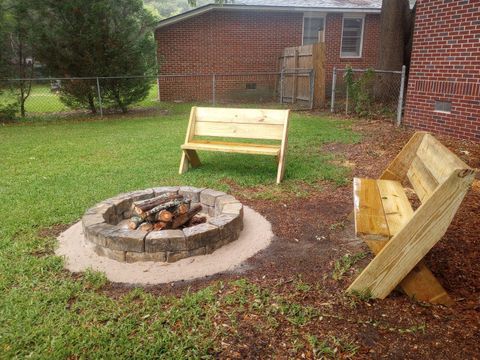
(43, 101)
(51, 172)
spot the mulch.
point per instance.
(308, 244)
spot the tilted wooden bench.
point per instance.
(263, 124)
(399, 236)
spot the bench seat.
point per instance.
(232, 147)
(254, 125)
(381, 208)
(399, 236)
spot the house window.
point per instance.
(313, 29)
(443, 106)
(352, 37)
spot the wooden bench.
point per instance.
(261, 124)
(399, 236)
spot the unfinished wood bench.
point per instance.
(399, 236)
(263, 124)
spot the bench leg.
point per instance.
(183, 163)
(188, 157)
(281, 169)
(420, 283)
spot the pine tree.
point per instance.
(97, 38)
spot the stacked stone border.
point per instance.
(100, 227)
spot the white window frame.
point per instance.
(314, 15)
(353, 16)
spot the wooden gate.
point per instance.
(303, 75)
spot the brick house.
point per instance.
(248, 36)
(444, 84)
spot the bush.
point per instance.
(8, 112)
(359, 90)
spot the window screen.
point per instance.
(312, 30)
(352, 37)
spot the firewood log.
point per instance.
(140, 207)
(182, 219)
(182, 209)
(165, 216)
(135, 222)
(145, 227)
(160, 226)
(168, 205)
(196, 220)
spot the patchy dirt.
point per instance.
(53, 231)
(305, 251)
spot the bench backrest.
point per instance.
(426, 163)
(238, 123)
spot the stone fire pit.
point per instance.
(104, 227)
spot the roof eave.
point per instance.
(209, 7)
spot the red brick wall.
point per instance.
(446, 67)
(333, 42)
(244, 42)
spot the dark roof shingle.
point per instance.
(336, 4)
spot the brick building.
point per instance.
(444, 84)
(248, 36)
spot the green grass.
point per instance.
(43, 101)
(52, 171)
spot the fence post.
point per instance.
(334, 84)
(214, 85)
(99, 97)
(346, 102)
(158, 88)
(281, 86)
(400, 96)
(312, 87)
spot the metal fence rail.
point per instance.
(384, 90)
(46, 95)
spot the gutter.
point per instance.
(206, 8)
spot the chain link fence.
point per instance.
(368, 92)
(101, 95)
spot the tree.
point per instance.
(17, 58)
(395, 34)
(97, 38)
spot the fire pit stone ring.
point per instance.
(103, 229)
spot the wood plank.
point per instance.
(240, 116)
(233, 130)
(243, 148)
(283, 150)
(422, 180)
(398, 168)
(370, 222)
(184, 161)
(295, 82)
(398, 210)
(438, 159)
(405, 250)
(420, 283)
(318, 64)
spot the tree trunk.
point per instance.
(395, 28)
(91, 104)
(394, 34)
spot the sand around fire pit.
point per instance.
(79, 256)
